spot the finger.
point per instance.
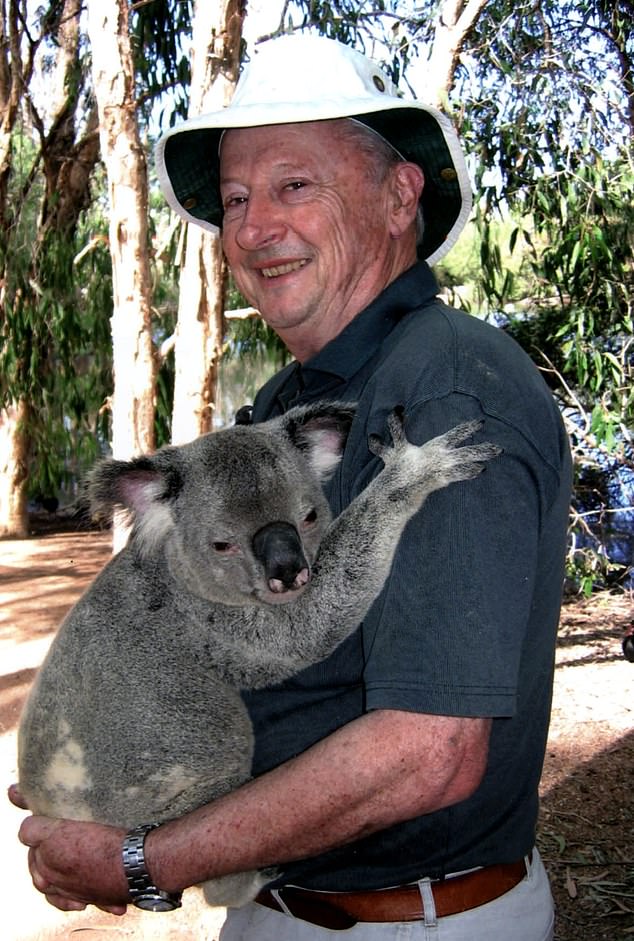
(38, 878)
(113, 909)
(60, 899)
(16, 797)
(63, 903)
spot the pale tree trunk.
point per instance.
(133, 355)
(13, 471)
(215, 61)
(454, 21)
(133, 359)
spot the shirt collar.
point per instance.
(346, 355)
(348, 352)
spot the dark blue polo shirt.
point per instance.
(466, 623)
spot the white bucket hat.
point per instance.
(304, 77)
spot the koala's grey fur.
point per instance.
(136, 714)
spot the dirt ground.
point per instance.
(586, 833)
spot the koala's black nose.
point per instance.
(278, 547)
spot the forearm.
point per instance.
(342, 789)
(385, 767)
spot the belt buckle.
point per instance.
(317, 911)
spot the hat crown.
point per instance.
(306, 68)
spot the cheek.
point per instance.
(245, 279)
(326, 227)
(229, 246)
(354, 243)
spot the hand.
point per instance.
(75, 864)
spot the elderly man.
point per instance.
(395, 784)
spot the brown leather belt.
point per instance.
(341, 910)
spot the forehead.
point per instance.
(308, 144)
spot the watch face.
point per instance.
(152, 902)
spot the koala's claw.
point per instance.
(395, 423)
(461, 432)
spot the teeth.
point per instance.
(283, 269)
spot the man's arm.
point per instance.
(383, 768)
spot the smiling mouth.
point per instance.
(277, 270)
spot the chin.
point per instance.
(279, 597)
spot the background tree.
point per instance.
(215, 60)
(48, 151)
(134, 364)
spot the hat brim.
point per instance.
(187, 160)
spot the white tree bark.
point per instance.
(454, 20)
(199, 331)
(124, 158)
(13, 471)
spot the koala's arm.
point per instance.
(272, 643)
(424, 763)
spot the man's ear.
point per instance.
(407, 182)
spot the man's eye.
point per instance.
(295, 185)
(232, 201)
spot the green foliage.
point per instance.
(574, 236)
(588, 568)
(161, 31)
(55, 342)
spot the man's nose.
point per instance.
(261, 224)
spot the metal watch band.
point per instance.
(143, 893)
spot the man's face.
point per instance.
(306, 228)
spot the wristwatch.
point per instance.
(143, 893)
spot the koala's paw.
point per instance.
(440, 461)
(395, 423)
(448, 463)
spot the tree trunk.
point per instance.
(454, 21)
(215, 61)
(133, 359)
(67, 162)
(14, 520)
(198, 336)
(133, 355)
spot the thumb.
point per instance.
(34, 830)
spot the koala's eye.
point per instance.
(310, 518)
(225, 548)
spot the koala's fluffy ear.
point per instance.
(320, 431)
(142, 486)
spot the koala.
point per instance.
(234, 577)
